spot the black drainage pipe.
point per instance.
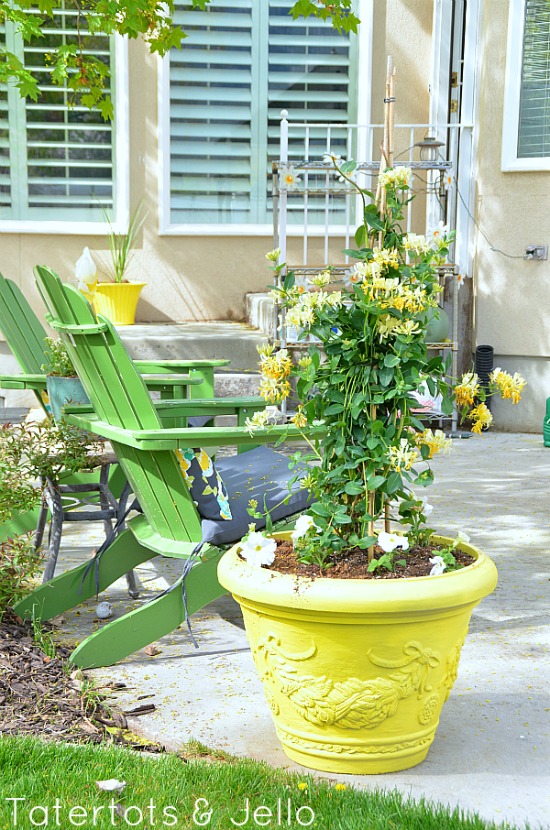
(484, 366)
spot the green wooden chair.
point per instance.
(180, 519)
(25, 336)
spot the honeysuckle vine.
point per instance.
(360, 377)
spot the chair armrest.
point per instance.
(182, 438)
(209, 406)
(161, 367)
(23, 381)
(160, 381)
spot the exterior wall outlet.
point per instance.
(536, 252)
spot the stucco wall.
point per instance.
(511, 294)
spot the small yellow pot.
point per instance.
(356, 671)
(118, 301)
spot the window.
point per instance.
(222, 96)
(57, 161)
(526, 128)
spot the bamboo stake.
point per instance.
(386, 160)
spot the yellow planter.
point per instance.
(356, 671)
(118, 301)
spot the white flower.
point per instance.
(302, 526)
(440, 230)
(288, 178)
(427, 508)
(259, 420)
(332, 158)
(301, 285)
(461, 537)
(438, 565)
(258, 550)
(390, 541)
(273, 255)
(85, 269)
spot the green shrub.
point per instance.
(19, 563)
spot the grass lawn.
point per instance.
(166, 791)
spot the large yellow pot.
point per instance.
(118, 301)
(356, 671)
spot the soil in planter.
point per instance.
(355, 563)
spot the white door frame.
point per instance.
(464, 152)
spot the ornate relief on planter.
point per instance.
(349, 704)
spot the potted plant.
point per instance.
(118, 298)
(356, 619)
(62, 382)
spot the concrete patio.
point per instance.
(492, 750)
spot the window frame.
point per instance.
(166, 226)
(510, 161)
(121, 184)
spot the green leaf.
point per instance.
(360, 236)
(320, 509)
(392, 360)
(374, 482)
(354, 488)
(395, 483)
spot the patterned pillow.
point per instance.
(207, 488)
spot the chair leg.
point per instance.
(73, 587)
(53, 500)
(41, 524)
(131, 582)
(104, 501)
(133, 589)
(135, 630)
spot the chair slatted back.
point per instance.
(120, 398)
(24, 333)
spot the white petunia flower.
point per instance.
(303, 524)
(390, 541)
(427, 508)
(438, 565)
(258, 550)
(461, 537)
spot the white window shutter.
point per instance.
(534, 107)
(61, 156)
(241, 65)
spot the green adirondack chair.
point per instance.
(154, 459)
(25, 335)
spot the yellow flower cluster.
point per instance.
(403, 457)
(388, 326)
(275, 368)
(302, 315)
(436, 441)
(417, 243)
(509, 386)
(321, 279)
(273, 390)
(386, 257)
(398, 177)
(467, 389)
(277, 365)
(481, 418)
(299, 419)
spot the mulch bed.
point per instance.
(43, 697)
(354, 564)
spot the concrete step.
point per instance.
(169, 341)
(13, 414)
(260, 313)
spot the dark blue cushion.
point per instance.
(253, 475)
